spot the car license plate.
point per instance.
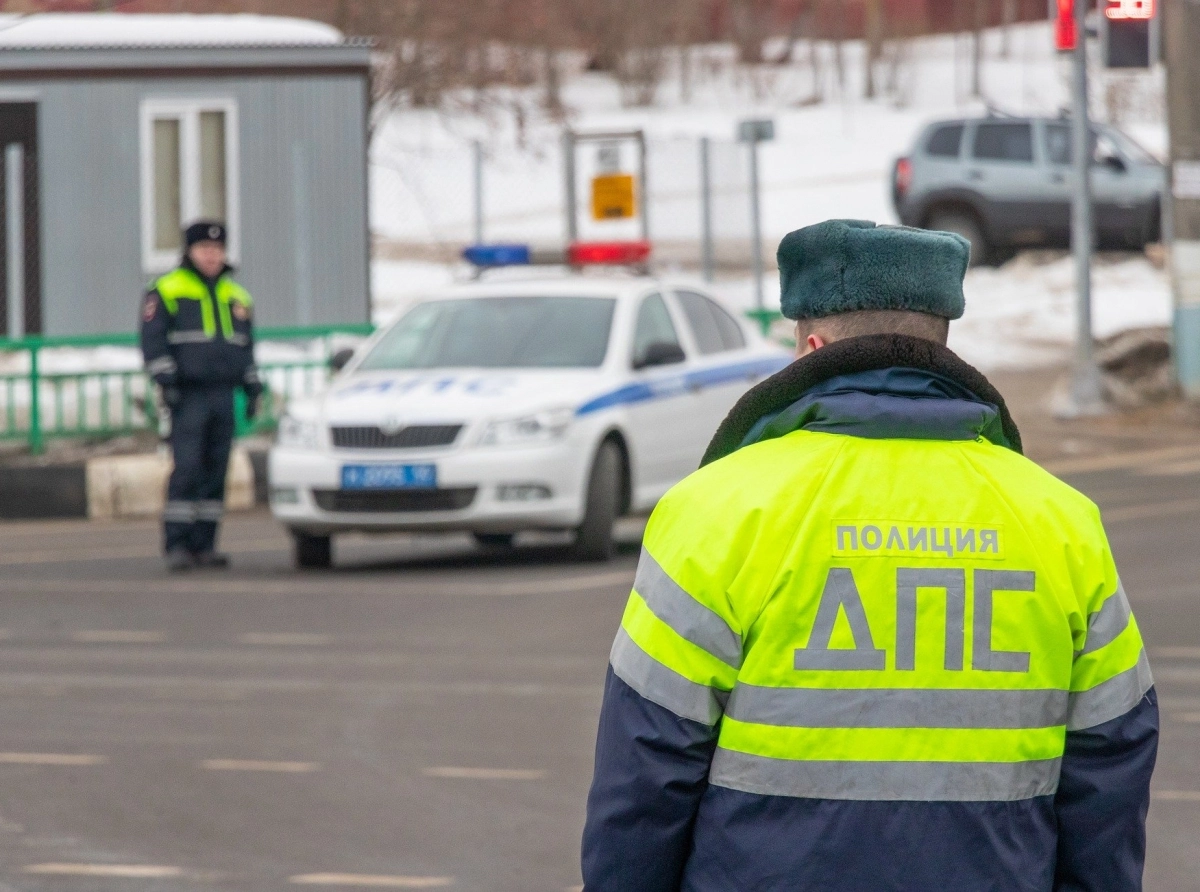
(389, 476)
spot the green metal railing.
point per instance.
(37, 405)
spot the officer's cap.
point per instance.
(204, 231)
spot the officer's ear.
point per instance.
(807, 341)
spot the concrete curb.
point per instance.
(114, 487)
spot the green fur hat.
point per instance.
(840, 266)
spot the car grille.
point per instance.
(415, 436)
(368, 501)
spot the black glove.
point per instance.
(251, 406)
(171, 395)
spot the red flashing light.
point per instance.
(904, 176)
(608, 253)
(1064, 26)
(1129, 10)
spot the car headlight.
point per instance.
(541, 427)
(297, 433)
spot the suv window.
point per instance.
(1004, 142)
(654, 326)
(1059, 144)
(715, 330)
(945, 142)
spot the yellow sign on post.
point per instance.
(613, 197)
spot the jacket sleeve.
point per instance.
(1112, 742)
(671, 668)
(156, 350)
(251, 380)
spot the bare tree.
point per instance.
(874, 44)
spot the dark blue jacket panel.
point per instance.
(1102, 800)
(651, 772)
(655, 825)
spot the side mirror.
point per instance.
(339, 360)
(660, 353)
(1113, 162)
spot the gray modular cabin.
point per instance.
(116, 129)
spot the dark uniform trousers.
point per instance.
(201, 437)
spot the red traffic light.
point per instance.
(1065, 36)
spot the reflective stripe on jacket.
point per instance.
(866, 637)
(197, 333)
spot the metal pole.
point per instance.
(644, 185)
(1086, 395)
(1181, 30)
(706, 234)
(14, 215)
(477, 158)
(756, 227)
(569, 183)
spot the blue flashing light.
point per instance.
(497, 255)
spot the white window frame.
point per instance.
(187, 112)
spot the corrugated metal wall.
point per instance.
(304, 241)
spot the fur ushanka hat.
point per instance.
(841, 266)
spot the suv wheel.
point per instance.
(312, 552)
(964, 224)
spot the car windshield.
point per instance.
(1131, 149)
(497, 332)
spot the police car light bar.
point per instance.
(497, 255)
(608, 253)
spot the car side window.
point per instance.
(1059, 145)
(653, 326)
(945, 142)
(714, 329)
(1005, 141)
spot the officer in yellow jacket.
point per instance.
(870, 646)
(198, 345)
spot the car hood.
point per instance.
(450, 396)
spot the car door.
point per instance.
(663, 420)
(723, 369)
(1119, 200)
(1060, 182)
(1002, 168)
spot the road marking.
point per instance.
(1087, 464)
(285, 639)
(368, 879)
(258, 765)
(1178, 653)
(51, 759)
(118, 636)
(1176, 795)
(458, 772)
(124, 871)
(1158, 509)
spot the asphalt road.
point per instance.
(422, 717)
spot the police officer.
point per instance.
(870, 646)
(198, 344)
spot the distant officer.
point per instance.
(870, 646)
(198, 344)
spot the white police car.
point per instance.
(502, 406)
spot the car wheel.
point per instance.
(964, 224)
(594, 537)
(494, 540)
(312, 552)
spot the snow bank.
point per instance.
(130, 29)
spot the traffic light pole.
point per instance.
(1086, 393)
(1182, 34)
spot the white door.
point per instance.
(663, 421)
(722, 370)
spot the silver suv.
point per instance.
(1006, 183)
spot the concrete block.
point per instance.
(136, 485)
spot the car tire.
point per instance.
(312, 552)
(495, 541)
(594, 537)
(964, 224)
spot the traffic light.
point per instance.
(1128, 23)
(1064, 26)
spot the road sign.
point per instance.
(613, 197)
(756, 131)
